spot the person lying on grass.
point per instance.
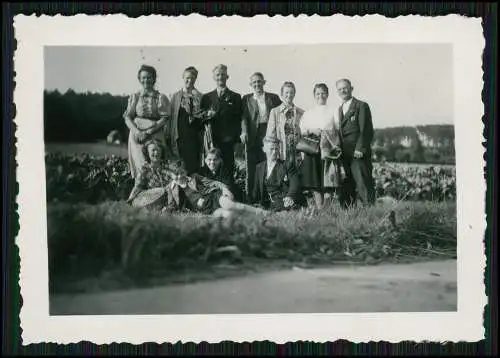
(152, 185)
(208, 196)
(276, 184)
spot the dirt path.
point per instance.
(429, 286)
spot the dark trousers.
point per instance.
(359, 183)
(255, 155)
(227, 152)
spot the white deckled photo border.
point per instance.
(465, 34)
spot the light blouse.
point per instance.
(150, 105)
(318, 118)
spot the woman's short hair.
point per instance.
(148, 144)
(215, 152)
(322, 86)
(149, 69)
(192, 70)
(289, 85)
(257, 74)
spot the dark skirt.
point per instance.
(189, 142)
(311, 172)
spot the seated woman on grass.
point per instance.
(152, 184)
(210, 195)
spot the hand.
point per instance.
(288, 202)
(243, 138)
(358, 154)
(200, 202)
(140, 136)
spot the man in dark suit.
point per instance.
(277, 184)
(223, 108)
(255, 115)
(356, 136)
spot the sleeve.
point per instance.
(244, 116)
(163, 106)
(365, 128)
(271, 126)
(131, 104)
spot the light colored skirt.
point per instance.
(136, 156)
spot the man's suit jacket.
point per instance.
(226, 124)
(356, 128)
(288, 181)
(250, 114)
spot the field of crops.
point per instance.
(93, 179)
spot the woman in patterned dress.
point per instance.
(284, 124)
(146, 115)
(155, 173)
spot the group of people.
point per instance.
(185, 145)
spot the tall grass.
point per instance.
(86, 240)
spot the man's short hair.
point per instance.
(259, 74)
(271, 140)
(220, 67)
(344, 80)
(215, 152)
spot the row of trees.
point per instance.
(90, 117)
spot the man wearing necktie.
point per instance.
(255, 116)
(223, 108)
(356, 136)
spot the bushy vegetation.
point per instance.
(87, 240)
(92, 179)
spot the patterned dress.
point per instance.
(292, 136)
(153, 176)
(145, 108)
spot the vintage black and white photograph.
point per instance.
(252, 179)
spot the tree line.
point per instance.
(89, 117)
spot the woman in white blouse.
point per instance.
(318, 123)
(146, 116)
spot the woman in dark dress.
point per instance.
(186, 125)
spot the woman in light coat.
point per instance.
(284, 124)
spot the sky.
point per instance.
(404, 84)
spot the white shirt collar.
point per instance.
(259, 96)
(270, 167)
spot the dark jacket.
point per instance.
(222, 175)
(250, 114)
(286, 183)
(226, 124)
(356, 128)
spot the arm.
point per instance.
(139, 185)
(238, 105)
(163, 112)
(365, 128)
(271, 126)
(130, 113)
(244, 117)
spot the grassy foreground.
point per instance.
(139, 248)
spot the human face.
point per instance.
(146, 80)
(257, 83)
(154, 153)
(344, 90)
(320, 96)
(272, 151)
(288, 95)
(220, 78)
(212, 162)
(189, 79)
